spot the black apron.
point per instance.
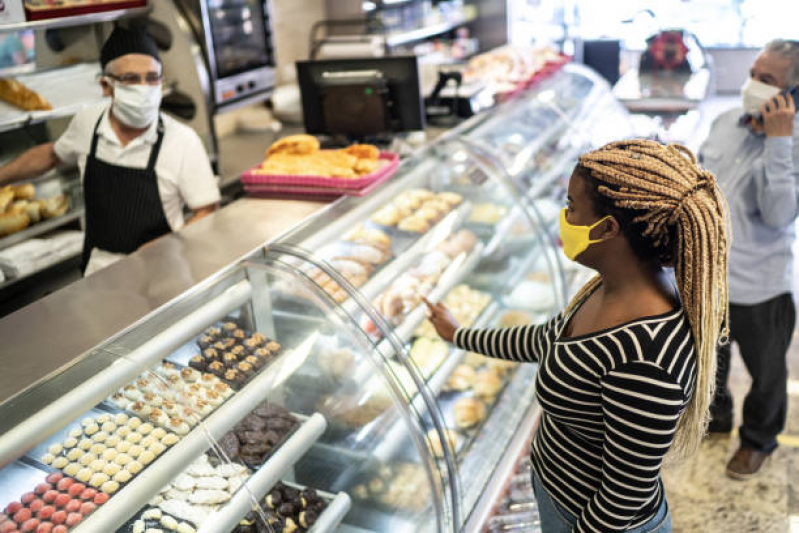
(123, 206)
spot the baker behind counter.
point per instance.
(139, 167)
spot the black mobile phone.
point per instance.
(793, 92)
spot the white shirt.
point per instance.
(183, 169)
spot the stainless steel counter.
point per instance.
(94, 309)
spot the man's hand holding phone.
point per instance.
(778, 115)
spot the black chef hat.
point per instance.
(123, 41)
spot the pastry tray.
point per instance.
(291, 182)
(17, 478)
(48, 12)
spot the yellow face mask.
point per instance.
(576, 239)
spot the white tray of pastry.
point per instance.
(68, 89)
(142, 488)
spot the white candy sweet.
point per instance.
(102, 419)
(184, 482)
(110, 487)
(60, 462)
(138, 526)
(152, 514)
(70, 442)
(121, 419)
(212, 483)
(209, 497)
(123, 476)
(169, 522)
(147, 457)
(55, 449)
(109, 427)
(134, 467)
(74, 454)
(183, 527)
(76, 433)
(48, 458)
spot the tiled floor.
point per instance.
(703, 499)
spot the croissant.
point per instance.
(15, 93)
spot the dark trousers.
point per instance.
(763, 333)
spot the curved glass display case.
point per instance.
(303, 386)
(199, 411)
(449, 227)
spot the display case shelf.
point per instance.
(257, 486)
(76, 20)
(149, 482)
(41, 228)
(68, 89)
(425, 32)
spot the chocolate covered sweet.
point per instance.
(254, 438)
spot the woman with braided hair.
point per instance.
(626, 372)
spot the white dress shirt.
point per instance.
(184, 172)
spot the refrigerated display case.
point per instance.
(310, 361)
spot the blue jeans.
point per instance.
(556, 519)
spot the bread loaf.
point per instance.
(16, 94)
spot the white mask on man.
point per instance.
(756, 93)
(136, 106)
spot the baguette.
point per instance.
(15, 93)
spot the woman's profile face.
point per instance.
(579, 208)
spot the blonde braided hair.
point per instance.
(678, 200)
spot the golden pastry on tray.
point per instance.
(468, 412)
(300, 155)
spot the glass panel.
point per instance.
(200, 410)
(241, 35)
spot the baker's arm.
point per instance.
(30, 164)
(202, 212)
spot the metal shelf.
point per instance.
(405, 37)
(144, 486)
(41, 228)
(68, 89)
(77, 20)
(257, 486)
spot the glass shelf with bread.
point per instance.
(449, 227)
(214, 414)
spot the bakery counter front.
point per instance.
(227, 410)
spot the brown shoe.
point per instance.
(745, 463)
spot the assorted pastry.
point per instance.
(19, 208)
(406, 292)
(174, 397)
(108, 451)
(416, 210)
(513, 318)
(488, 214)
(258, 435)
(428, 354)
(355, 260)
(465, 303)
(401, 486)
(288, 510)
(154, 520)
(199, 490)
(468, 412)
(436, 446)
(55, 506)
(232, 354)
(300, 155)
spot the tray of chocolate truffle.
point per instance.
(104, 450)
(232, 353)
(292, 508)
(55, 503)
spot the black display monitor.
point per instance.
(361, 98)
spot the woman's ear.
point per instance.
(608, 229)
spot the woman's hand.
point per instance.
(442, 320)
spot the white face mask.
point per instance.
(755, 94)
(136, 106)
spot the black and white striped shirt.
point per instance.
(611, 401)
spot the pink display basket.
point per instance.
(318, 185)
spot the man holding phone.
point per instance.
(755, 157)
